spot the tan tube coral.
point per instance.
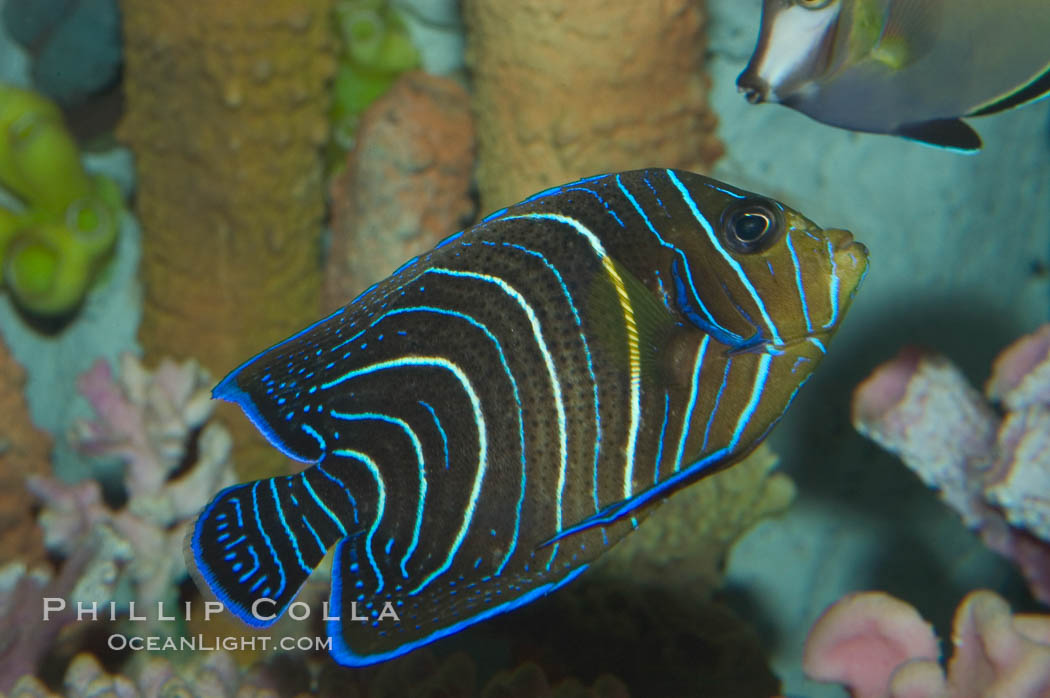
(568, 89)
(406, 184)
(995, 472)
(226, 112)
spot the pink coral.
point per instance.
(149, 420)
(212, 674)
(24, 640)
(860, 640)
(879, 647)
(994, 471)
(1021, 373)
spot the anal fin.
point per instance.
(953, 134)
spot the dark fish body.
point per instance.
(492, 417)
(911, 68)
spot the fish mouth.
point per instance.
(793, 52)
(849, 257)
(754, 88)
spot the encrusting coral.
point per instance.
(656, 641)
(645, 612)
(995, 472)
(24, 638)
(211, 675)
(569, 89)
(879, 647)
(149, 420)
(406, 184)
(216, 675)
(529, 681)
(24, 451)
(227, 112)
(64, 227)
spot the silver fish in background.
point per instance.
(906, 67)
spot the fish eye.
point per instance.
(813, 4)
(751, 226)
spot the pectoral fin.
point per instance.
(707, 465)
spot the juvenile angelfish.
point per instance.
(487, 421)
(905, 67)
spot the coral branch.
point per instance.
(24, 636)
(149, 421)
(862, 638)
(994, 472)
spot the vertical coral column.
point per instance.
(569, 88)
(226, 112)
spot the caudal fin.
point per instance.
(255, 544)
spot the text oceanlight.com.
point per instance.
(230, 643)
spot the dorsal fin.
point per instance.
(1038, 88)
(267, 387)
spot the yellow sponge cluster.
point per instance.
(53, 245)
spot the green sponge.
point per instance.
(53, 246)
(376, 50)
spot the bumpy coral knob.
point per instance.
(47, 270)
(46, 162)
(93, 226)
(65, 224)
(39, 160)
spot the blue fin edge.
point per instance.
(229, 391)
(345, 656)
(208, 575)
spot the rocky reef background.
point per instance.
(245, 222)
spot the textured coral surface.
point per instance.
(994, 472)
(226, 110)
(216, 675)
(406, 184)
(569, 89)
(156, 422)
(23, 451)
